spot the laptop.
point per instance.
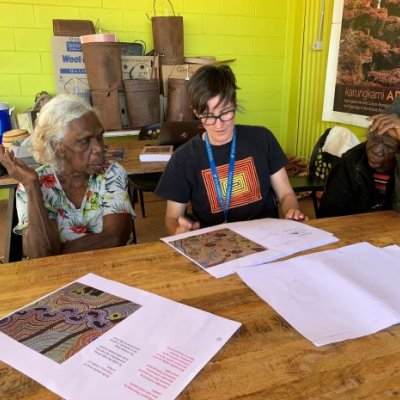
(177, 133)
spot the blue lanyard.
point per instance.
(224, 203)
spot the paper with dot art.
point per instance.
(61, 324)
(153, 353)
(222, 249)
(216, 247)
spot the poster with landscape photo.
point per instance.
(363, 72)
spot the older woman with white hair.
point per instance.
(76, 201)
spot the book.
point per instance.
(114, 153)
(156, 153)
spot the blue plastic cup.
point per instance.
(5, 121)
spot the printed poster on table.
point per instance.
(99, 339)
(222, 249)
(363, 73)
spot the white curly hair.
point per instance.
(52, 125)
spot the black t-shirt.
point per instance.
(188, 177)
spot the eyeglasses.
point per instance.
(212, 119)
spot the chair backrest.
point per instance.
(150, 132)
(321, 162)
(178, 132)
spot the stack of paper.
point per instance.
(99, 339)
(333, 295)
(156, 153)
(222, 249)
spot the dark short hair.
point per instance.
(210, 81)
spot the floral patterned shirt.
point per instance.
(106, 194)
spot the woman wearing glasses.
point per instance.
(230, 172)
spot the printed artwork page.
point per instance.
(128, 344)
(284, 235)
(222, 249)
(157, 150)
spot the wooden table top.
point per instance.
(265, 359)
(131, 161)
(6, 182)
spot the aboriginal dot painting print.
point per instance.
(216, 247)
(61, 324)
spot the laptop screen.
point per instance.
(178, 132)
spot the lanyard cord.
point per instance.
(224, 203)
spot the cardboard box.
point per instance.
(139, 67)
(70, 70)
(69, 67)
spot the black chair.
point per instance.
(320, 164)
(13, 242)
(146, 182)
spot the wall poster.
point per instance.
(363, 72)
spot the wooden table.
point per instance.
(131, 163)
(265, 359)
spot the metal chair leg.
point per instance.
(13, 242)
(134, 237)
(141, 200)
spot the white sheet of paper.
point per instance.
(332, 295)
(281, 237)
(134, 132)
(393, 249)
(152, 354)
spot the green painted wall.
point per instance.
(254, 32)
(281, 78)
(257, 33)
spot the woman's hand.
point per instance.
(186, 225)
(295, 215)
(176, 221)
(287, 199)
(17, 169)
